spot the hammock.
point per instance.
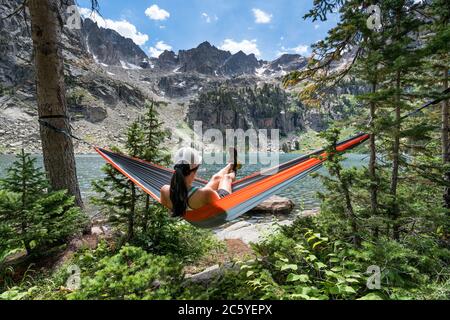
(247, 192)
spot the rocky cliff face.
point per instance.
(205, 59)
(110, 48)
(288, 62)
(239, 64)
(228, 107)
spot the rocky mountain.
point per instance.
(208, 60)
(205, 59)
(240, 64)
(286, 63)
(109, 78)
(110, 48)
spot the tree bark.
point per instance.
(373, 162)
(445, 140)
(132, 214)
(57, 148)
(396, 159)
(349, 210)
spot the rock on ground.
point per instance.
(249, 232)
(274, 205)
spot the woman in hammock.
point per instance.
(181, 196)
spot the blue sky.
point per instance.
(264, 27)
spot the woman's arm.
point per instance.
(165, 197)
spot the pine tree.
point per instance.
(154, 137)
(36, 216)
(23, 179)
(341, 180)
(350, 37)
(127, 207)
(117, 194)
(437, 37)
(388, 61)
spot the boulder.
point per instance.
(274, 205)
(97, 231)
(95, 114)
(249, 232)
(208, 275)
(310, 213)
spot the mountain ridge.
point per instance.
(204, 59)
(109, 78)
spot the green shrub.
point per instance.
(131, 274)
(306, 267)
(297, 263)
(105, 274)
(165, 235)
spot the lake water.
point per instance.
(302, 193)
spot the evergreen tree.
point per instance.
(389, 62)
(118, 195)
(340, 181)
(154, 137)
(34, 215)
(127, 207)
(436, 35)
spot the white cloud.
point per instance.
(246, 46)
(280, 53)
(156, 13)
(123, 27)
(300, 49)
(208, 18)
(316, 26)
(159, 48)
(261, 16)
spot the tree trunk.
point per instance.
(373, 163)
(396, 159)
(27, 246)
(130, 232)
(349, 209)
(146, 213)
(445, 141)
(57, 148)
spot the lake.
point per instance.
(302, 193)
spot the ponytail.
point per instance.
(178, 190)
